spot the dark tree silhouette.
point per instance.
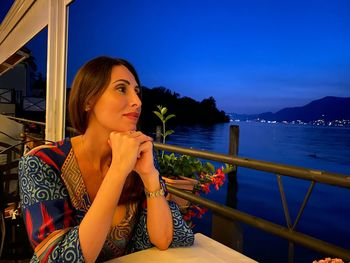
(187, 110)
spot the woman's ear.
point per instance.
(88, 106)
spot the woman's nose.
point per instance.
(135, 100)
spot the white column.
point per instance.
(56, 70)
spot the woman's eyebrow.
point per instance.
(122, 80)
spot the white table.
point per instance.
(204, 249)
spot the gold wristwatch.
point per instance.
(159, 192)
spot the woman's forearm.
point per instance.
(159, 222)
(159, 218)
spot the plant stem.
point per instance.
(163, 137)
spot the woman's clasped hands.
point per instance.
(133, 150)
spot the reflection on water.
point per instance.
(321, 148)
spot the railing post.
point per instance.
(13, 96)
(232, 186)
(224, 230)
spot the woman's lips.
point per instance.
(132, 115)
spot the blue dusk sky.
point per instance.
(252, 56)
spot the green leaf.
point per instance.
(169, 117)
(211, 166)
(228, 168)
(160, 116)
(163, 110)
(168, 132)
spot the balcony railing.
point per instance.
(286, 232)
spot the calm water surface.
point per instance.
(323, 148)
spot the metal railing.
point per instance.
(34, 104)
(314, 176)
(6, 96)
(21, 120)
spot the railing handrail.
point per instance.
(336, 179)
(26, 120)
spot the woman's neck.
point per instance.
(95, 146)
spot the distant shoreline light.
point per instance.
(319, 122)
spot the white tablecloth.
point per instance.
(204, 249)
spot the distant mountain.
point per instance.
(328, 108)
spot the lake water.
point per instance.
(323, 148)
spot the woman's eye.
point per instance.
(138, 90)
(121, 89)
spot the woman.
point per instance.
(81, 196)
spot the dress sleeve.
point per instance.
(182, 236)
(47, 212)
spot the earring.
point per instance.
(87, 108)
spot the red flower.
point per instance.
(205, 188)
(205, 180)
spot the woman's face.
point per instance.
(119, 107)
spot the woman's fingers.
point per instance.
(146, 146)
(145, 165)
(127, 147)
(139, 135)
(124, 150)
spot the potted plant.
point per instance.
(187, 172)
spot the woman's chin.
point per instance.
(126, 128)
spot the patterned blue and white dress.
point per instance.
(54, 200)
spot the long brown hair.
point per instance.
(88, 85)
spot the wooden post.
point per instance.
(226, 231)
(232, 186)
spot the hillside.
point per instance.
(328, 108)
(187, 110)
